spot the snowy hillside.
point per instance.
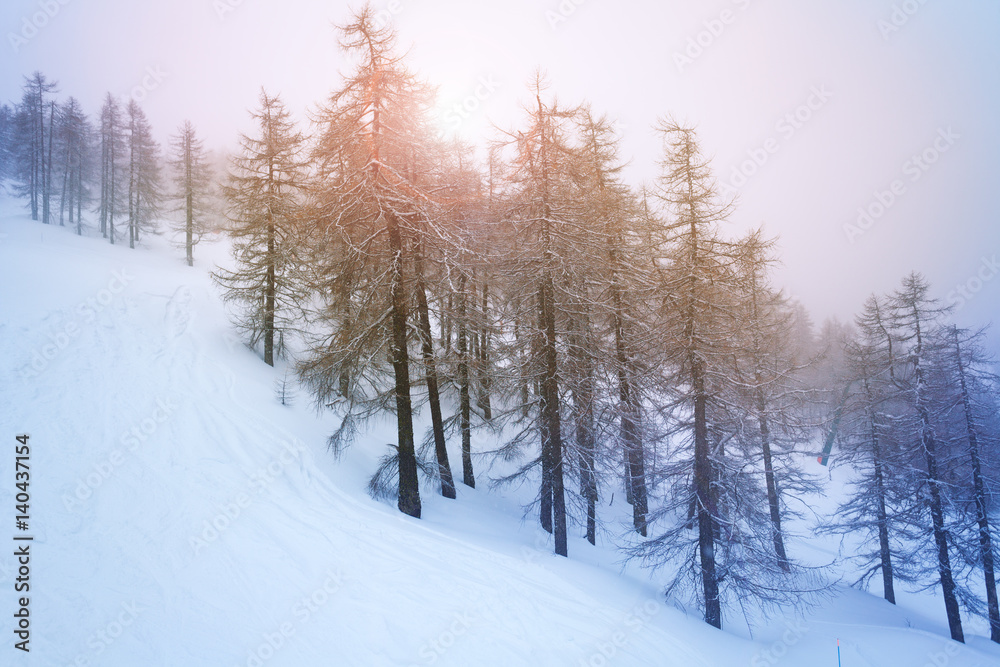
(182, 516)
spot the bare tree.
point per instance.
(33, 156)
(915, 316)
(367, 211)
(143, 173)
(265, 193)
(877, 507)
(192, 178)
(970, 376)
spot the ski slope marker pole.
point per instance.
(838, 652)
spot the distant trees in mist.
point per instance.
(105, 173)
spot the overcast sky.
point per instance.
(811, 109)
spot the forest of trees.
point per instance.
(608, 338)
(64, 164)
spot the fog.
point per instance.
(862, 133)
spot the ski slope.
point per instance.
(182, 516)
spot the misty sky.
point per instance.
(812, 110)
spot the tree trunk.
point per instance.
(982, 511)
(635, 464)
(703, 480)
(79, 197)
(269, 290)
(189, 227)
(111, 192)
(550, 415)
(468, 477)
(427, 350)
(885, 553)
(409, 489)
(485, 379)
(583, 404)
(545, 510)
(773, 501)
(47, 167)
(446, 324)
(37, 132)
(940, 536)
(65, 190)
(933, 482)
(132, 185)
(104, 181)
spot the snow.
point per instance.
(183, 516)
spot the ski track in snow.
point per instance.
(207, 530)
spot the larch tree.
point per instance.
(716, 526)
(625, 288)
(74, 132)
(915, 319)
(367, 213)
(549, 251)
(694, 288)
(767, 397)
(870, 440)
(113, 146)
(467, 218)
(7, 142)
(265, 194)
(192, 187)
(34, 120)
(974, 388)
(144, 192)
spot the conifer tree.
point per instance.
(871, 444)
(696, 288)
(767, 391)
(716, 529)
(549, 253)
(7, 142)
(265, 196)
(192, 187)
(624, 289)
(74, 132)
(34, 119)
(113, 145)
(143, 173)
(970, 377)
(368, 212)
(915, 319)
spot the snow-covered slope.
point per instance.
(182, 516)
